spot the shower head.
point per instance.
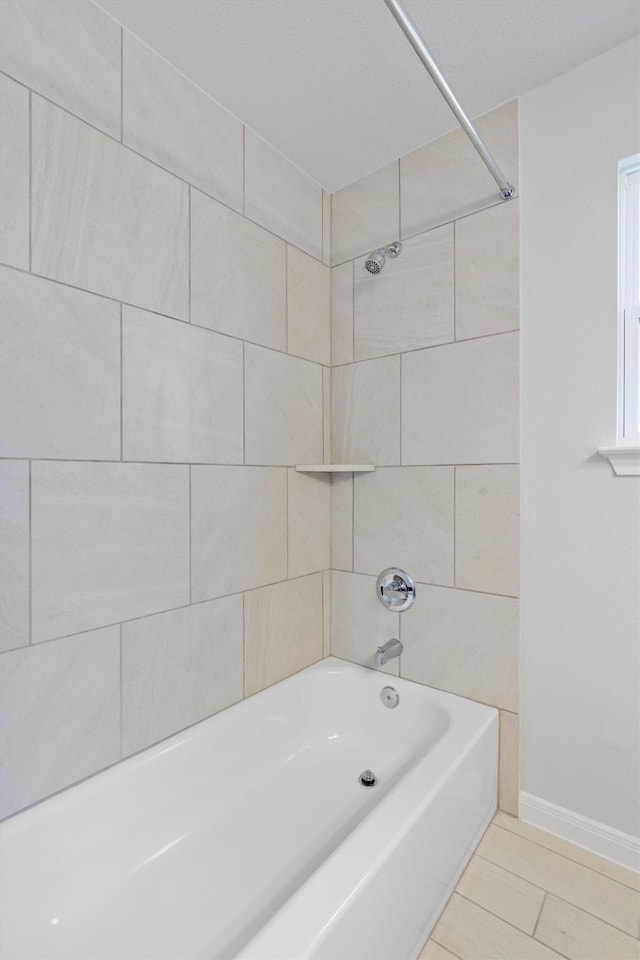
(375, 261)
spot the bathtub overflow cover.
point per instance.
(390, 697)
(367, 778)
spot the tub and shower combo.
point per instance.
(318, 818)
(328, 816)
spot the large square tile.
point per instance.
(359, 622)
(110, 541)
(14, 173)
(68, 51)
(423, 545)
(14, 554)
(488, 272)
(365, 414)
(410, 304)
(178, 668)
(487, 528)
(169, 119)
(281, 197)
(182, 391)
(309, 522)
(238, 529)
(283, 408)
(104, 218)
(60, 371)
(238, 275)
(463, 398)
(282, 632)
(365, 214)
(308, 307)
(446, 179)
(342, 313)
(60, 715)
(464, 643)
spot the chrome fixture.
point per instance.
(395, 589)
(410, 31)
(390, 697)
(368, 778)
(375, 261)
(388, 650)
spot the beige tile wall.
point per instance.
(166, 345)
(169, 321)
(425, 385)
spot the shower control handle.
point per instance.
(395, 589)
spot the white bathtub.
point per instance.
(250, 836)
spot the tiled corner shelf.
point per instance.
(625, 460)
(335, 467)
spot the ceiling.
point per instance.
(335, 86)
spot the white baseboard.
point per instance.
(622, 848)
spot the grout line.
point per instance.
(535, 926)
(166, 170)
(121, 386)
(121, 699)
(189, 246)
(593, 916)
(287, 500)
(481, 856)
(493, 201)
(286, 298)
(322, 192)
(121, 85)
(455, 276)
(255, 343)
(400, 430)
(324, 438)
(30, 148)
(502, 920)
(155, 613)
(580, 863)
(244, 404)
(244, 169)
(399, 202)
(244, 646)
(190, 550)
(353, 523)
(455, 479)
(166, 316)
(456, 955)
(353, 313)
(29, 522)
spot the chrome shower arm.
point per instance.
(410, 31)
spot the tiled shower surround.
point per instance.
(425, 385)
(167, 349)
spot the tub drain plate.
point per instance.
(367, 778)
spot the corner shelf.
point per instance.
(335, 467)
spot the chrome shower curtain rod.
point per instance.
(410, 31)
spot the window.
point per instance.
(629, 302)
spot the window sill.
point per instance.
(625, 460)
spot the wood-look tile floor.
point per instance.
(527, 895)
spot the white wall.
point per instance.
(580, 523)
